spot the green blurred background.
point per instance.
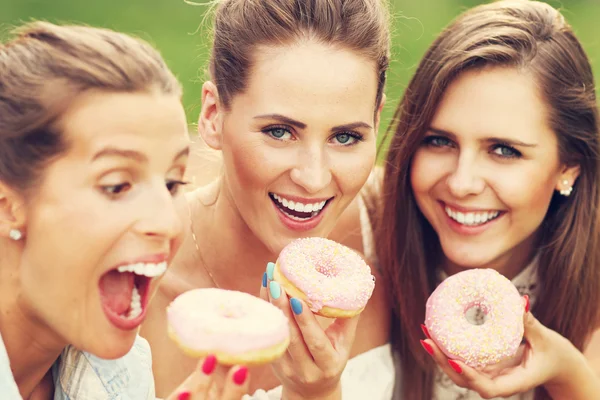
(176, 29)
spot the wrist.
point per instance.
(332, 393)
(576, 380)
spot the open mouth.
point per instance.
(296, 210)
(124, 292)
(472, 218)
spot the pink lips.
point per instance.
(116, 290)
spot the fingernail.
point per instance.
(296, 305)
(264, 282)
(209, 364)
(455, 366)
(526, 303)
(184, 396)
(425, 331)
(239, 377)
(275, 289)
(427, 347)
(270, 269)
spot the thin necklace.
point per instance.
(198, 248)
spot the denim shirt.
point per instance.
(80, 375)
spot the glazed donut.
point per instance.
(332, 279)
(476, 316)
(236, 327)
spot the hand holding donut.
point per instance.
(546, 358)
(213, 382)
(340, 287)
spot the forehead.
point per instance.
(98, 118)
(495, 102)
(309, 79)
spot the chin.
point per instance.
(468, 259)
(115, 347)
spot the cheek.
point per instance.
(426, 171)
(526, 192)
(247, 160)
(352, 170)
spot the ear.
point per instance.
(378, 113)
(567, 177)
(12, 211)
(209, 120)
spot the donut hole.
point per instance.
(476, 314)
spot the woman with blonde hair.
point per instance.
(93, 150)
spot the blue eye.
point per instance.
(278, 133)
(437, 141)
(348, 138)
(505, 151)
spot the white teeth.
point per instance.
(146, 269)
(313, 208)
(135, 308)
(471, 218)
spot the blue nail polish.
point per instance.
(296, 306)
(275, 290)
(264, 281)
(270, 269)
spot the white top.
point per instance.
(369, 375)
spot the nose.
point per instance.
(312, 170)
(158, 216)
(465, 179)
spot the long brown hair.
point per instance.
(527, 35)
(43, 69)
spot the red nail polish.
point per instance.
(184, 396)
(455, 366)
(526, 303)
(239, 377)
(427, 347)
(209, 364)
(425, 331)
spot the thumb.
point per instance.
(342, 332)
(534, 330)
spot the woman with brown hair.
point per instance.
(293, 105)
(93, 149)
(494, 163)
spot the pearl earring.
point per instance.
(15, 234)
(567, 190)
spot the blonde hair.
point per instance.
(42, 71)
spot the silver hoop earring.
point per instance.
(567, 190)
(15, 234)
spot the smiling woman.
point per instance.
(93, 148)
(494, 161)
(293, 106)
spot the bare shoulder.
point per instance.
(592, 351)
(374, 324)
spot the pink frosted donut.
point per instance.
(236, 327)
(476, 316)
(332, 279)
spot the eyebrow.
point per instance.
(302, 125)
(132, 154)
(512, 142)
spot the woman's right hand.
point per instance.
(213, 382)
(312, 366)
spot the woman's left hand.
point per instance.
(546, 359)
